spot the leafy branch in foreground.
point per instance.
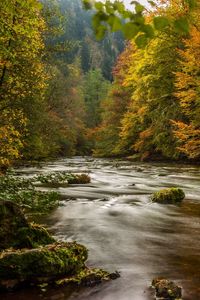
(115, 16)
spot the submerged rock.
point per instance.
(166, 289)
(168, 196)
(15, 230)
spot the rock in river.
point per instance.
(166, 289)
(168, 196)
(16, 232)
(43, 264)
(29, 255)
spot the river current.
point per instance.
(114, 218)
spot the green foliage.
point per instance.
(12, 184)
(132, 22)
(95, 89)
(78, 30)
(23, 192)
(160, 22)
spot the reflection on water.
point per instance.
(123, 231)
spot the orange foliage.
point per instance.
(188, 93)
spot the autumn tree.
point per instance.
(22, 75)
(145, 128)
(188, 92)
(113, 107)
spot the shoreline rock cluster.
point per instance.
(30, 256)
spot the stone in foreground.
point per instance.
(168, 196)
(166, 289)
(44, 264)
(15, 230)
(30, 256)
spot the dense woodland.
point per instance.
(53, 76)
(152, 108)
(65, 93)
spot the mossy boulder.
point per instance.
(168, 196)
(29, 255)
(32, 236)
(79, 179)
(88, 277)
(166, 289)
(62, 179)
(15, 230)
(43, 264)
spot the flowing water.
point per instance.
(123, 230)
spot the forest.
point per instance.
(53, 77)
(109, 97)
(99, 143)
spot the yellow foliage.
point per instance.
(188, 93)
(11, 127)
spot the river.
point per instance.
(123, 230)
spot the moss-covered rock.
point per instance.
(16, 232)
(166, 289)
(79, 179)
(32, 236)
(88, 277)
(168, 196)
(34, 257)
(43, 264)
(62, 179)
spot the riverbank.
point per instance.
(113, 218)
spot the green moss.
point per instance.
(17, 232)
(32, 236)
(60, 178)
(11, 219)
(166, 289)
(87, 277)
(49, 262)
(79, 179)
(34, 257)
(168, 196)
